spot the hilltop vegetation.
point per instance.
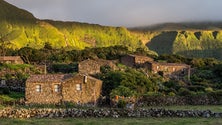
(19, 28)
(192, 41)
(34, 33)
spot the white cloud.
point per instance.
(123, 12)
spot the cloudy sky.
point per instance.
(124, 12)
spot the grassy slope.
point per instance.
(189, 39)
(34, 33)
(203, 39)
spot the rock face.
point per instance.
(102, 113)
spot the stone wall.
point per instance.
(88, 92)
(93, 66)
(46, 96)
(77, 89)
(104, 113)
(179, 100)
(168, 69)
(128, 60)
(135, 60)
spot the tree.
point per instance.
(7, 33)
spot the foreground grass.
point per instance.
(112, 121)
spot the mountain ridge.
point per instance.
(22, 29)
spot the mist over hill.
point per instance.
(19, 28)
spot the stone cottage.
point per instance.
(11, 59)
(58, 88)
(135, 60)
(168, 69)
(93, 66)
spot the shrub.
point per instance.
(121, 104)
(171, 94)
(5, 91)
(209, 89)
(8, 76)
(185, 92)
(196, 88)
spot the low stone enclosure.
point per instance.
(179, 100)
(105, 113)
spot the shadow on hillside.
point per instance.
(163, 43)
(209, 53)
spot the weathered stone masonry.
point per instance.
(93, 66)
(135, 60)
(52, 89)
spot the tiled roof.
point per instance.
(49, 78)
(54, 78)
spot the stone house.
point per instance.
(11, 59)
(168, 69)
(59, 88)
(135, 60)
(90, 66)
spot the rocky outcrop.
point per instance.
(102, 113)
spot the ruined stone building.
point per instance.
(11, 59)
(168, 69)
(135, 60)
(93, 66)
(58, 88)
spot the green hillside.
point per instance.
(20, 29)
(201, 43)
(202, 39)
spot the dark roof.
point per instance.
(11, 58)
(49, 78)
(54, 78)
(139, 56)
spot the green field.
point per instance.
(112, 121)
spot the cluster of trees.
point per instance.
(48, 54)
(206, 75)
(128, 83)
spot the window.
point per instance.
(157, 67)
(3, 83)
(78, 87)
(57, 88)
(38, 88)
(85, 79)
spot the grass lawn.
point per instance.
(112, 121)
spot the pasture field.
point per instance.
(114, 121)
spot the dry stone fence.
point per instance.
(103, 113)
